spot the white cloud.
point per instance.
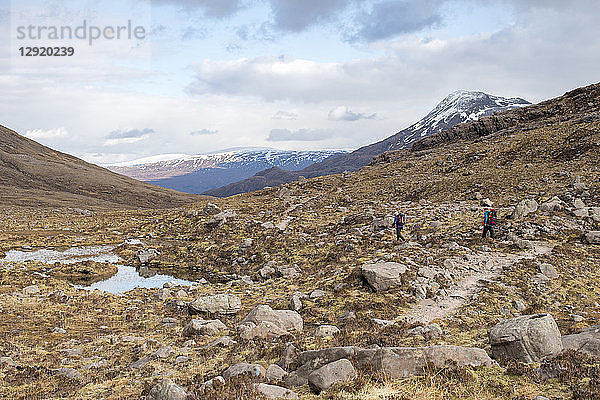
(203, 132)
(285, 115)
(342, 113)
(54, 133)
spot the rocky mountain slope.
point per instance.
(33, 175)
(303, 292)
(197, 174)
(459, 107)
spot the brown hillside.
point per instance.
(34, 175)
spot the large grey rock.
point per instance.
(284, 319)
(554, 204)
(224, 304)
(275, 373)
(326, 330)
(167, 390)
(338, 371)
(529, 338)
(524, 208)
(204, 327)
(399, 362)
(220, 219)
(264, 330)
(253, 370)
(548, 270)
(593, 237)
(588, 341)
(276, 392)
(382, 276)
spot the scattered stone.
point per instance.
(295, 303)
(289, 357)
(383, 323)
(524, 208)
(275, 373)
(224, 304)
(429, 332)
(275, 392)
(7, 361)
(486, 203)
(519, 305)
(315, 294)
(163, 352)
(220, 219)
(347, 316)
(254, 370)
(555, 204)
(211, 209)
(548, 270)
(167, 390)
(284, 319)
(31, 290)
(326, 330)
(529, 338)
(326, 376)
(587, 341)
(401, 362)
(71, 352)
(141, 363)
(59, 330)
(212, 383)
(204, 327)
(181, 360)
(69, 373)
(163, 294)
(147, 255)
(169, 322)
(576, 318)
(382, 276)
(225, 341)
(593, 237)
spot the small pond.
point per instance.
(127, 277)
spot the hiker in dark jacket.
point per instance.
(489, 223)
(399, 221)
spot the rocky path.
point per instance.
(482, 267)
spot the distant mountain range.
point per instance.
(459, 107)
(199, 173)
(33, 175)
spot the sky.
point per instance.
(208, 75)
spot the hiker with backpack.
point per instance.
(489, 223)
(399, 221)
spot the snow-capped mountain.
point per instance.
(198, 173)
(460, 106)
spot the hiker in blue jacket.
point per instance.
(489, 223)
(399, 221)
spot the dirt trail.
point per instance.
(490, 267)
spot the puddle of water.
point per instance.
(129, 278)
(101, 254)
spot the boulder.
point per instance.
(486, 203)
(295, 303)
(204, 327)
(275, 392)
(555, 204)
(253, 370)
(289, 357)
(224, 304)
(264, 330)
(382, 276)
(284, 319)
(593, 237)
(167, 390)
(211, 209)
(338, 371)
(220, 219)
(524, 208)
(548, 270)
(326, 330)
(31, 290)
(275, 373)
(588, 341)
(529, 338)
(400, 362)
(147, 255)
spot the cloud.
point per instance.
(128, 136)
(345, 114)
(285, 115)
(55, 133)
(308, 135)
(192, 32)
(211, 8)
(203, 132)
(298, 15)
(391, 17)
